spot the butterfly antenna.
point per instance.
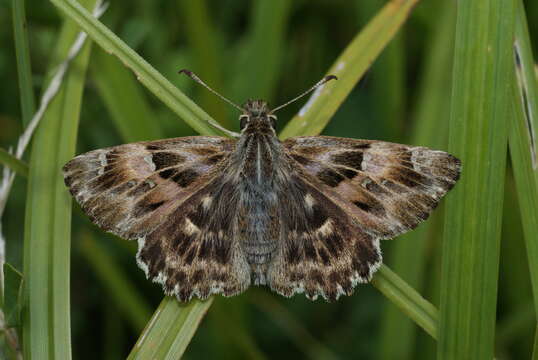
(199, 81)
(316, 85)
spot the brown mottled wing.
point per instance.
(387, 188)
(156, 192)
(346, 195)
(323, 251)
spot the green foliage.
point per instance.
(427, 79)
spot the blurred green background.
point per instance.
(270, 50)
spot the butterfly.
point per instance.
(214, 215)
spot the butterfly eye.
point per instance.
(272, 119)
(243, 120)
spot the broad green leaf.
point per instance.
(478, 131)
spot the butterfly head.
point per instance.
(257, 117)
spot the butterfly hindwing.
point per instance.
(322, 251)
(388, 188)
(196, 252)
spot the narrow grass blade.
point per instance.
(205, 55)
(240, 335)
(523, 138)
(303, 339)
(170, 330)
(409, 255)
(349, 68)
(18, 166)
(515, 326)
(387, 81)
(263, 50)
(24, 70)
(165, 91)
(12, 299)
(120, 288)
(482, 76)
(46, 317)
(423, 313)
(535, 348)
(124, 99)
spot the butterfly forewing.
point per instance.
(130, 189)
(388, 188)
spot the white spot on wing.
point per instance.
(206, 202)
(141, 264)
(148, 159)
(190, 228)
(309, 200)
(326, 228)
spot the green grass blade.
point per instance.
(409, 254)
(24, 70)
(387, 84)
(170, 330)
(165, 91)
(46, 316)
(523, 143)
(349, 67)
(286, 320)
(11, 303)
(205, 56)
(482, 76)
(263, 50)
(124, 99)
(120, 288)
(535, 348)
(410, 302)
(18, 166)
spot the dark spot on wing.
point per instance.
(197, 276)
(375, 188)
(166, 159)
(144, 207)
(361, 146)
(185, 178)
(333, 242)
(317, 218)
(153, 147)
(371, 206)
(409, 178)
(301, 159)
(352, 159)
(199, 216)
(166, 174)
(317, 277)
(212, 160)
(350, 174)
(330, 177)
(204, 252)
(310, 251)
(293, 253)
(222, 252)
